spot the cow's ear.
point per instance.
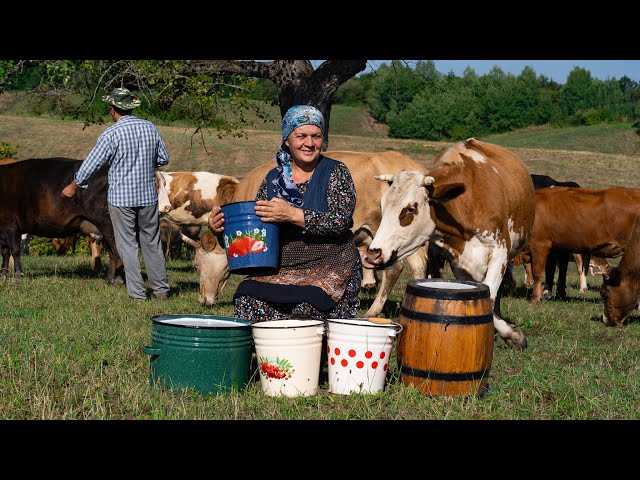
(385, 177)
(447, 192)
(208, 241)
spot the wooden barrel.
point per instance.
(446, 345)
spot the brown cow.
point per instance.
(210, 259)
(620, 290)
(477, 205)
(602, 221)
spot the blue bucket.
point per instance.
(251, 244)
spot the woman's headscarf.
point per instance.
(295, 117)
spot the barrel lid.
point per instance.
(200, 321)
(448, 289)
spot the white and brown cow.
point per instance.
(186, 198)
(210, 259)
(477, 204)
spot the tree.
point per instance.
(199, 86)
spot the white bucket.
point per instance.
(358, 352)
(288, 354)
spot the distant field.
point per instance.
(598, 156)
(603, 138)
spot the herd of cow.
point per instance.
(478, 208)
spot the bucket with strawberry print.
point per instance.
(288, 354)
(249, 242)
(358, 352)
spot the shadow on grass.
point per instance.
(187, 285)
(631, 319)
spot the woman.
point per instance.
(313, 198)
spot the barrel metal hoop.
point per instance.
(445, 377)
(450, 319)
(474, 292)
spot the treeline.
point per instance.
(420, 102)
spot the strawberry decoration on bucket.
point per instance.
(241, 244)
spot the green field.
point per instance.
(71, 347)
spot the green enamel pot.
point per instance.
(205, 352)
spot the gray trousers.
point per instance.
(140, 224)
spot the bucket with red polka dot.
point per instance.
(358, 352)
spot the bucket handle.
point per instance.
(394, 333)
(151, 350)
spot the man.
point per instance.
(133, 149)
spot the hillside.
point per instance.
(599, 156)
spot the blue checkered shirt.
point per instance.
(132, 148)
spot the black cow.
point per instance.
(31, 201)
(544, 181)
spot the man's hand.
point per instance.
(70, 190)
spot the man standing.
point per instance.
(133, 149)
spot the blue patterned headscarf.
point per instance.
(295, 117)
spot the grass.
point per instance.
(71, 347)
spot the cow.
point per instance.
(31, 201)
(589, 210)
(186, 198)
(477, 204)
(555, 258)
(210, 258)
(545, 181)
(171, 237)
(93, 240)
(620, 289)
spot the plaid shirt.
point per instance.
(132, 148)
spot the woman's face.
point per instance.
(305, 143)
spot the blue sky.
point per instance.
(556, 70)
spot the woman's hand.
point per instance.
(277, 210)
(216, 221)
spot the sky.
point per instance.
(556, 70)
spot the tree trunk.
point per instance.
(296, 80)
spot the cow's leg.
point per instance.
(389, 278)
(498, 265)
(528, 275)
(563, 264)
(115, 273)
(549, 274)
(491, 274)
(436, 259)
(538, 264)
(14, 251)
(418, 263)
(368, 274)
(582, 265)
(6, 261)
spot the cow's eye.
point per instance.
(411, 210)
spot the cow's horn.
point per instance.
(188, 240)
(428, 181)
(385, 177)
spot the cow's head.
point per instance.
(210, 261)
(620, 296)
(407, 222)
(164, 204)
